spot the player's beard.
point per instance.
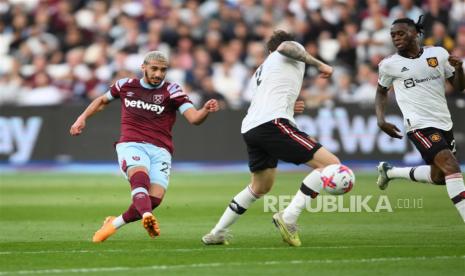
(150, 82)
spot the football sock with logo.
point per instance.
(456, 191)
(239, 204)
(132, 214)
(417, 174)
(310, 188)
(140, 183)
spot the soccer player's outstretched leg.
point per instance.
(270, 135)
(149, 107)
(424, 107)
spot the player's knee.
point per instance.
(323, 158)
(135, 169)
(261, 189)
(140, 179)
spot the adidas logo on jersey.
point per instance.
(143, 105)
(404, 69)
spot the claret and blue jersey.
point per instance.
(148, 112)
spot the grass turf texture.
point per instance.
(47, 221)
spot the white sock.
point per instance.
(461, 208)
(420, 173)
(240, 203)
(456, 191)
(310, 185)
(118, 222)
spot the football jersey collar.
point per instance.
(148, 86)
(420, 53)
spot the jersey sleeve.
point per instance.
(179, 98)
(299, 45)
(116, 87)
(448, 69)
(384, 78)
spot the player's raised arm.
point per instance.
(95, 106)
(458, 80)
(380, 103)
(196, 117)
(295, 51)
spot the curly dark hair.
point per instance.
(419, 26)
(277, 38)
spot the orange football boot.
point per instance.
(105, 231)
(151, 225)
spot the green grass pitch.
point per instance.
(47, 221)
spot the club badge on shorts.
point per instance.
(435, 137)
(432, 62)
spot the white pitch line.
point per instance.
(209, 265)
(219, 248)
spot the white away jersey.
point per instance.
(274, 87)
(419, 84)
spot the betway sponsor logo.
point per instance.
(143, 105)
(18, 137)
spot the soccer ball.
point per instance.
(337, 179)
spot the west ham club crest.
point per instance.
(157, 99)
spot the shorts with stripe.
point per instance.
(429, 141)
(278, 140)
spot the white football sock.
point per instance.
(420, 173)
(456, 191)
(461, 208)
(118, 222)
(311, 184)
(240, 203)
(396, 172)
(454, 184)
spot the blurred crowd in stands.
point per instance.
(60, 51)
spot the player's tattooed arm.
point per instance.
(458, 80)
(95, 106)
(292, 50)
(380, 104)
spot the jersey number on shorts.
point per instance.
(258, 74)
(164, 168)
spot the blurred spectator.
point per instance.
(320, 92)
(374, 39)
(12, 84)
(346, 55)
(457, 14)
(405, 8)
(209, 92)
(345, 88)
(436, 11)
(42, 93)
(230, 76)
(440, 37)
(76, 49)
(367, 80)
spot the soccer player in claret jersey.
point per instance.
(419, 76)
(148, 112)
(270, 134)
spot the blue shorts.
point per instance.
(156, 160)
